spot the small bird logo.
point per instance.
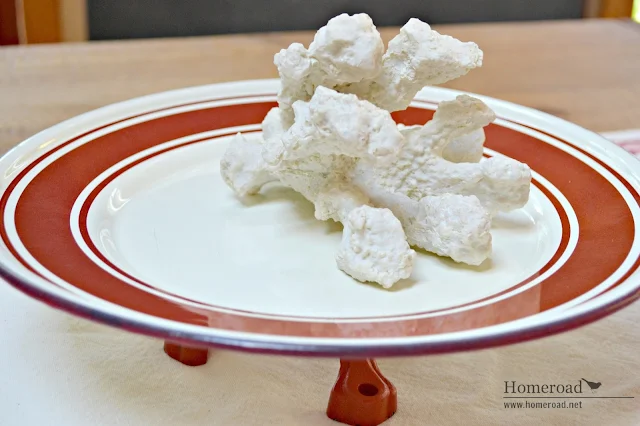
(592, 385)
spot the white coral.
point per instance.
(501, 184)
(243, 168)
(333, 140)
(374, 247)
(415, 58)
(329, 135)
(346, 50)
(465, 149)
(451, 225)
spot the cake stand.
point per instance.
(120, 216)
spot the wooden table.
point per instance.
(585, 71)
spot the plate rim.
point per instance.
(294, 345)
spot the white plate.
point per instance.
(120, 216)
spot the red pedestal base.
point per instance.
(362, 396)
(188, 356)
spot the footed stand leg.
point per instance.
(362, 395)
(186, 355)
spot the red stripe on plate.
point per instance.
(626, 184)
(602, 245)
(84, 231)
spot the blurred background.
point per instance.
(50, 21)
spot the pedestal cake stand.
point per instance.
(120, 216)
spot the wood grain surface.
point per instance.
(585, 71)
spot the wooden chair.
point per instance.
(52, 21)
(43, 21)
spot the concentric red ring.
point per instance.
(69, 263)
(84, 232)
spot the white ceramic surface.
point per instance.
(168, 227)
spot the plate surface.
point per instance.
(120, 215)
